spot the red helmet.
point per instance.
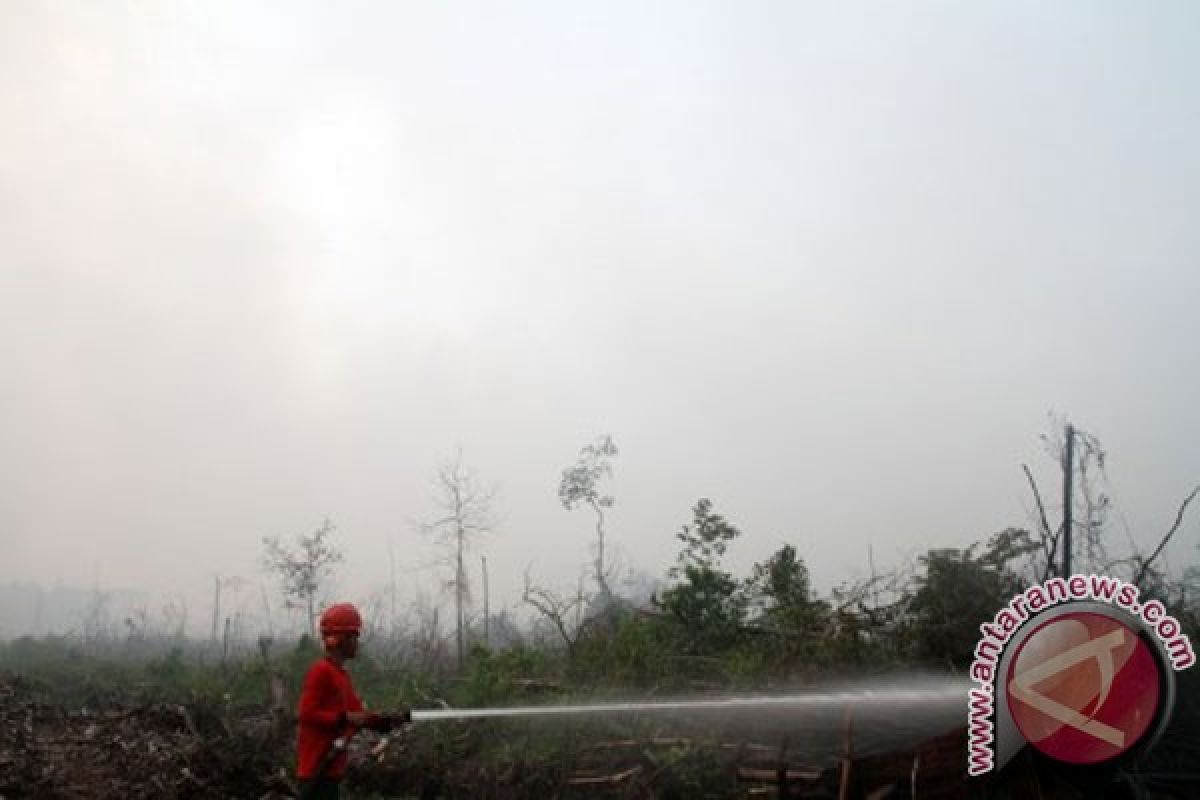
(341, 618)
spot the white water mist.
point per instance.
(891, 697)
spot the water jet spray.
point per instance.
(921, 695)
(895, 697)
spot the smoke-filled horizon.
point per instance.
(829, 266)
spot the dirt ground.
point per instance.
(158, 751)
(176, 751)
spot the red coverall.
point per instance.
(324, 701)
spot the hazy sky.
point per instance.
(828, 264)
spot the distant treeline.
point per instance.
(30, 609)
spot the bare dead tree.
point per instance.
(174, 617)
(487, 621)
(879, 592)
(1145, 563)
(428, 642)
(561, 610)
(464, 513)
(231, 582)
(373, 615)
(1048, 539)
(97, 620)
(1089, 524)
(1096, 502)
(1092, 519)
(267, 616)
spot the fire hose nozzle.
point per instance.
(386, 723)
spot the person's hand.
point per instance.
(358, 719)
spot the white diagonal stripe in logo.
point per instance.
(1021, 686)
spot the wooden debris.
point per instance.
(605, 780)
(790, 775)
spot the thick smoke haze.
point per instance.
(830, 265)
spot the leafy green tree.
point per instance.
(705, 540)
(961, 589)
(780, 591)
(791, 622)
(580, 485)
(303, 570)
(707, 602)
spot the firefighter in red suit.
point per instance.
(330, 709)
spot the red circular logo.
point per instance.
(1083, 688)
